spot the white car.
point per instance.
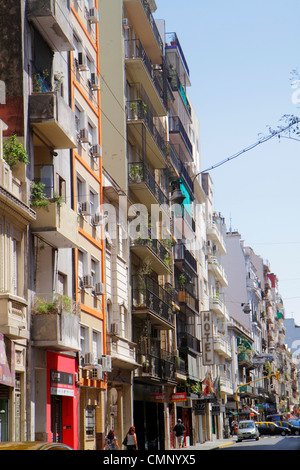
(247, 430)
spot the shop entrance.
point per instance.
(56, 418)
(3, 420)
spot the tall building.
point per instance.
(53, 106)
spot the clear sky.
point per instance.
(241, 54)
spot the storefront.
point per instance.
(62, 399)
(7, 383)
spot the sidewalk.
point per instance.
(210, 445)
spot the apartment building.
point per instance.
(53, 106)
(38, 112)
(135, 99)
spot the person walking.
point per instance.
(130, 440)
(110, 442)
(179, 431)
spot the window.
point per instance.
(82, 266)
(90, 421)
(84, 340)
(81, 191)
(61, 186)
(15, 268)
(97, 344)
(93, 202)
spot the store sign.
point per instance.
(62, 383)
(178, 397)
(159, 397)
(207, 339)
(7, 362)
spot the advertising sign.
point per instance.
(207, 339)
(62, 383)
(7, 362)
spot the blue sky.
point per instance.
(241, 55)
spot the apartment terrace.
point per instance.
(141, 70)
(151, 299)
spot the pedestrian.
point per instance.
(110, 442)
(130, 440)
(179, 431)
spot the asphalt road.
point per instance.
(267, 443)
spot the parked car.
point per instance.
(247, 430)
(269, 428)
(33, 445)
(294, 428)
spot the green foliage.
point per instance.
(38, 197)
(14, 152)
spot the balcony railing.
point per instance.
(139, 110)
(152, 23)
(149, 295)
(134, 50)
(139, 173)
(56, 322)
(162, 368)
(186, 340)
(181, 253)
(176, 126)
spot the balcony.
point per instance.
(52, 20)
(176, 58)
(187, 341)
(13, 316)
(57, 225)
(188, 299)
(178, 136)
(140, 70)
(182, 255)
(56, 323)
(140, 119)
(156, 367)
(217, 305)
(145, 27)
(221, 345)
(176, 87)
(143, 185)
(151, 300)
(53, 120)
(13, 194)
(152, 249)
(122, 352)
(214, 234)
(218, 271)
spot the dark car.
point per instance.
(269, 428)
(295, 429)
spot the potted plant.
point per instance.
(136, 172)
(38, 197)
(14, 152)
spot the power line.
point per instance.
(294, 121)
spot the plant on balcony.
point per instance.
(14, 152)
(40, 81)
(58, 80)
(42, 307)
(136, 173)
(133, 110)
(38, 197)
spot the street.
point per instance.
(267, 443)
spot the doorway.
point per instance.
(56, 418)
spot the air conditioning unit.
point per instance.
(114, 328)
(84, 135)
(99, 220)
(125, 23)
(87, 281)
(96, 373)
(97, 150)
(95, 83)
(93, 15)
(99, 288)
(106, 363)
(86, 208)
(89, 361)
(82, 62)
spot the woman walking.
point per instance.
(130, 440)
(110, 442)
